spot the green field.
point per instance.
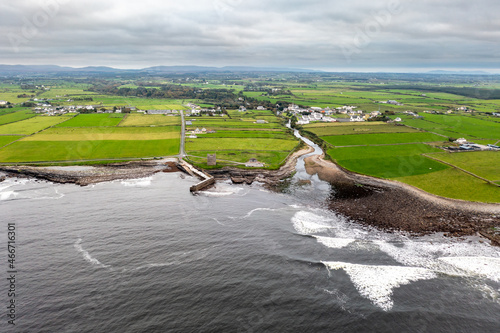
(239, 144)
(31, 125)
(457, 126)
(239, 138)
(93, 120)
(385, 138)
(224, 124)
(42, 151)
(334, 129)
(273, 159)
(6, 139)
(387, 161)
(106, 133)
(150, 120)
(15, 116)
(485, 164)
(248, 134)
(453, 183)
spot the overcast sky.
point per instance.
(318, 34)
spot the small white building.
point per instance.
(357, 118)
(461, 141)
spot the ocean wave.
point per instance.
(307, 223)
(141, 182)
(87, 256)
(426, 254)
(334, 243)
(377, 283)
(7, 195)
(258, 210)
(223, 190)
(482, 266)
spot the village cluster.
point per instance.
(305, 116)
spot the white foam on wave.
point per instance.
(178, 258)
(377, 283)
(482, 266)
(223, 190)
(141, 182)
(87, 256)
(216, 194)
(259, 210)
(7, 184)
(7, 195)
(426, 254)
(307, 223)
(334, 243)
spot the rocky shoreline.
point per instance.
(395, 206)
(388, 205)
(86, 175)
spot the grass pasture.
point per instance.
(6, 139)
(15, 116)
(485, 164)
(31, 125)
(335, 129)
(44, 151)
(381, 138)
(457, 126)
(93, 120)
(272, 158)
(150, 120)
(239, 138)
(106, 133)
(248, 134)
(387, 161)
(453, 183)
(239, 144)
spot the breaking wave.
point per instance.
(377, 283)
(334, 243)
(307, 223)
(87, 256)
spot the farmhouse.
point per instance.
(3, 102)
(357, 118)
(261, 108)
(198, 131)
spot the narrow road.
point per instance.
(182, 152)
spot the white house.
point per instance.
(398, 119)
(261, 108)
(304, 120)
(3, 102)
(461, 141)
(357, 118)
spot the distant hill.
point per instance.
(459, 72)
(25, 69)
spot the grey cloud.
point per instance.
(235, 32)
